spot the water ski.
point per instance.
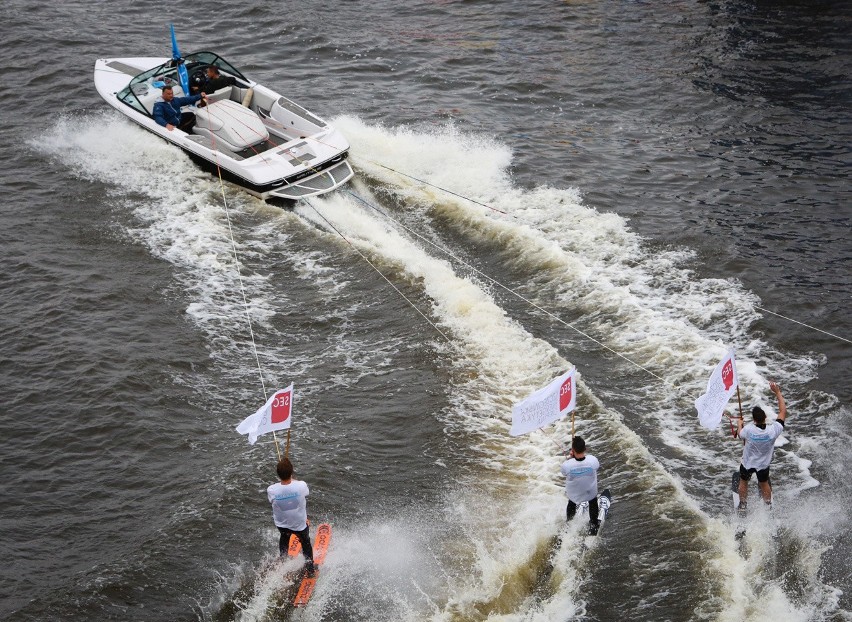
(321, 542)
(739, 508)
(604, 501)
(295, 547)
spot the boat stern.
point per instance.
(322, 182)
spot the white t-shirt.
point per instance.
(581, 478)
(288, 504)
(759, 444)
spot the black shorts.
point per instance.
(762, 475)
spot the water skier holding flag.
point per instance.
(289, 511)
(758, 437)
(581, 482)
(542, 408)
(288, 495)
(759, 445)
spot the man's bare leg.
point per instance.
(765, 492)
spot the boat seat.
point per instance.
(230, 125)
(223, 93)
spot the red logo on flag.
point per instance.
(281, 407)
(565, 394)
(728, 374)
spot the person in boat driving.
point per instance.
(289, 511)
(167, 110)
(212, 82)
(581, 482)
(759, 445)
(216, 81)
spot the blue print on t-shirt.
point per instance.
(285, 497)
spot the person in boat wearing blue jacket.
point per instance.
(167, 110)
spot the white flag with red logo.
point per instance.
(721, 386)
(546, 405)
(272, 416)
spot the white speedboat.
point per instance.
(259, 139)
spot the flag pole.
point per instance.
(287, 447)
(572, 425)
(277, 447)
(739, 401)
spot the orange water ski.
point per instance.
(295, 547)
(305, 591)
(321, 542)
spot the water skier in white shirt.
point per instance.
(581, 482)
(759, 438)
(289, 511)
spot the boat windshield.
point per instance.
(139, 85)
(209, 58)
(167, 72)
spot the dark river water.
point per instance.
(651, 184)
